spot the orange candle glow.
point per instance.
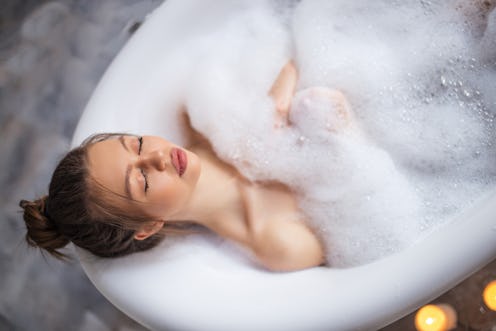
(489, 295)
(441, 317)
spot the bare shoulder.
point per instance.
(278, 237)
(288, 246)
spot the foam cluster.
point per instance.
(419, 77)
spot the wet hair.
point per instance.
(78, 209)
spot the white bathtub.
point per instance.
(200, 284)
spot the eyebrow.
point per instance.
(127, 185)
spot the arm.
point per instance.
(193, 137)
(283, 89)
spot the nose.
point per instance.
(155, 159)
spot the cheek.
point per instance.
(161, 188)
(168, 191)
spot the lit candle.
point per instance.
(441, 317)
(489, 295)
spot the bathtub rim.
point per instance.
(404, 294)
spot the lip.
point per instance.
(179, 160)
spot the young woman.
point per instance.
(117, 194)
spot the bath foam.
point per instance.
(420, 82)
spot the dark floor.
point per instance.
(52, 54)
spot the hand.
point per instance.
(282, 92)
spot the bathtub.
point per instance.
(202, 282)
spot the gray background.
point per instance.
(52, 54)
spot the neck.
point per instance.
(216, 194)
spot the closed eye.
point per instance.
(140, 144)
(140, 147)
(146, 180)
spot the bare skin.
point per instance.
(282, 92)
(262, 217)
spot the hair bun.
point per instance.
(41, 231)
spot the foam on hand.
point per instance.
(419, 77)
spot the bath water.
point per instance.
(420, 77)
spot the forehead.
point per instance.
(107, 164)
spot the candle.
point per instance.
(489, 295)
(440, 317)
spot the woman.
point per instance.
(117, 194)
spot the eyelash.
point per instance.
(140, 146)
(140, 140)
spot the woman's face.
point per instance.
(148, 169)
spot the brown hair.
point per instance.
(80, 210)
